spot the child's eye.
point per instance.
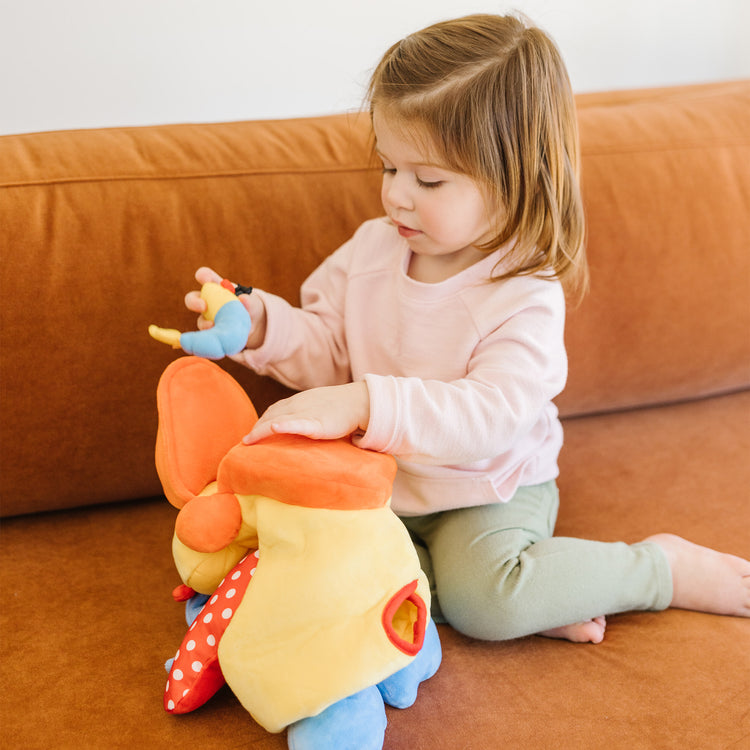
(389, 170)
(424, 184)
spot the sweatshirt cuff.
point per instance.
(260, 358)
(384, 414)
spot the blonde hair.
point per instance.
(493, 97)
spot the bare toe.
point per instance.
(590, 631)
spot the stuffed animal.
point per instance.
(304, 591)
(231, 324)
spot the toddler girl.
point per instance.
(436, 334)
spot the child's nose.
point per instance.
(395, 193)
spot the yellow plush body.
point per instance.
(310, 628)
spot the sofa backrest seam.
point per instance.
(180, 177)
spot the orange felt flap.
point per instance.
(297, 470)
(203, 412)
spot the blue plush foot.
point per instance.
(354, 723)
(193, 606)
(400, 689)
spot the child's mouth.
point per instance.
(407, 232)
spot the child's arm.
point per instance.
(502, 404)
(511, 380)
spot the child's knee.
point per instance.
(481, 615)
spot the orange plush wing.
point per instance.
(203, 412)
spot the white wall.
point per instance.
(94, 63)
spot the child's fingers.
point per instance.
(307, 427)
(194, 302)
(205, 274)
(261, 429)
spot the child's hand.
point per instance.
(251, 302)
(321, 413)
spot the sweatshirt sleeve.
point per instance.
(305, 346)
(514, 373)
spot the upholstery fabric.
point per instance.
(666, 182)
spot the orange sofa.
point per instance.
(101, 232)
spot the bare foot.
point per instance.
(591, 631)
(705, 580)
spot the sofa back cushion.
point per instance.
(102, 230)
(666, 182)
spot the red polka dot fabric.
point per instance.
(195, 674)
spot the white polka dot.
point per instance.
(211, 641)
(166, 690)
(208, 617)
(177, 674)
(177, 655)
(252, 572)
(236, 574)
(185, 692)
(170, 705)
(195, 622)
(214, 598)
(257, 553)
(231, 593)
(197, 666)
(190, 645)
(227, 613)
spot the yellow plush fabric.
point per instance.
(310, 628)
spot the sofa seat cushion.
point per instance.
(87, 619)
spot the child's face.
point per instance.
(442, 214)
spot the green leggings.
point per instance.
(497, 572)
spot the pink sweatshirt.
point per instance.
(461, 374)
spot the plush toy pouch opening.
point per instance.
(405, 620)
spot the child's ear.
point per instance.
(203, 412)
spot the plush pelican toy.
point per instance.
(304, 590)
